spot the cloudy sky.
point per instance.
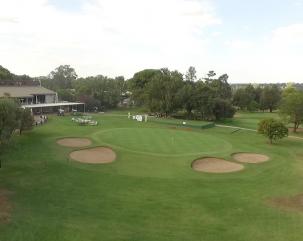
(252, 41)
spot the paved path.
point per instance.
(247, 129)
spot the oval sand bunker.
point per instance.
(216, 165)
(250, 157)
(74, 142)
(97, 155)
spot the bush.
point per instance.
(273, 129)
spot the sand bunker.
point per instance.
(215, 165)
(94, 155)
(74, 142)
(250, 157)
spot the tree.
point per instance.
(60, 78)
(8, 118)
(101, 91)
(5, 74)
(188, 95)
(270, 97)
(138, 85)
(223, 109)
(8, 78)
(204, 101)
(66, 95)
(26, 120)
(273, 129)
(12, 117)
(247, 98)
(291, 107)
(221, 87)
(190, 75)
(162, 92)
(240, 99)
(90, 102)
(210, 75)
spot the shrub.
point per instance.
(273, 129)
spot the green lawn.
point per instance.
(150, 193)
(249, 120)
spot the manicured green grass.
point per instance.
(249, 120)
(150, 192)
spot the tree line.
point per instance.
(170, 93)
(288, 101)
(9, 79)
(160, 91)
(97, 92)
(166, 92)
(252, 98)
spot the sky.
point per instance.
(258, 41)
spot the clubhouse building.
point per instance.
(39, 99)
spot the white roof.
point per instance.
(52, 104)
(24, 91)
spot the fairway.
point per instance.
(148, 190)
(162, 141)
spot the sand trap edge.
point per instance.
(239, 169)
(93, 163)
(267, 158)
(90, 142)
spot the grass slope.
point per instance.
(150, 193)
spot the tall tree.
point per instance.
(223, 109)
(204, 102)
(138, 84)
(221, 86)
(8, 118)
(190, 75)
(291, 107)
(188, 95)
(25, 119)
(210, 75)
(271, 97)
(61, 78)
(100, 90)
(5, 74)
(162, 91)
(247, 98)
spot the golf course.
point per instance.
(124, 180)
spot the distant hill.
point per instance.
(9, 79)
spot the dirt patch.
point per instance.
(74, 142)
(291, 130)
(97, 155)
(250, 157)
(215, 165)
(5, 206)
(294, 203)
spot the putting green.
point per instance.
(160, 141)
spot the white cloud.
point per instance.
(110, 37)
(275, 57)
(239, 44)
(118, 37)
(289, 35)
